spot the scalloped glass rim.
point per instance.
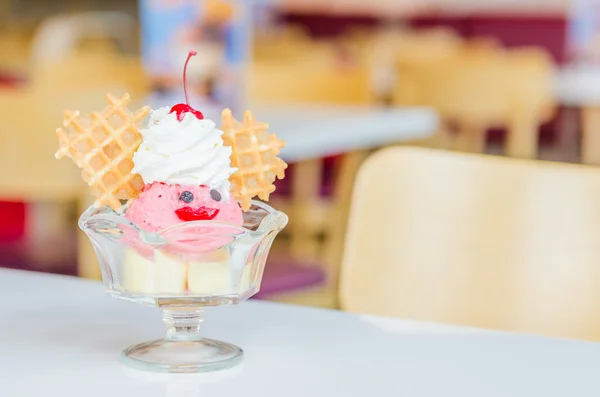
(273, 220)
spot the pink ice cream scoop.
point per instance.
(161, 205)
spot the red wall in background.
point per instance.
(320, 25)
(12, 218)
(512, 30)
(12, 215)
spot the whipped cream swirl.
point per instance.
(187, 152)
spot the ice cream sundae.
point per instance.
(180, 168)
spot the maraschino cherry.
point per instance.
(182, 108)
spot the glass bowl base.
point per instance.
(182, 356)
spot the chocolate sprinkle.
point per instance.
(215, 195)
(186, 196)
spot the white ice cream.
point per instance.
(187, 152)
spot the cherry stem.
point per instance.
(190, 55)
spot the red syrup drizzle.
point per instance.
(188, 214)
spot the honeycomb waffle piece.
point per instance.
(102, 145)
(255, 155)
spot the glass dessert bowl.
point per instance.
(182, 269)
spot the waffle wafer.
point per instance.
(254, 154)
(102, 145)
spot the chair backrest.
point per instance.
(282, 42)
(27, 145)
(59, 36)
(432, 44)
(480, 83)
(412, 53)
(14, 52)
(85, 72)
(307, 71)
(308, 82)
(469, 88)
(32, 114)
(475, 240)
(532, 73)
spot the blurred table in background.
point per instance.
(313, 132)
(578, 85)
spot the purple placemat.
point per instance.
(286, 275)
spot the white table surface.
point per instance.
(62, 336)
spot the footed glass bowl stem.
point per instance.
(183, 324)
(183, 349)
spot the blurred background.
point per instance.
(336, 79)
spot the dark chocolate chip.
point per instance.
(186, 196)
(215, 195)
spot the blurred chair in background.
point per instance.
(415, 49)
(32, 175)
(313, 72)
(475, 240)
(82, 73)
(77, 80)
(59, 36)
(352, 70)
(531, 98)
(301, 71)
(82, 81)
(283, 42)
(14, 53)
(590, 137)
(478, 85)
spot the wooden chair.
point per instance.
(475, 240)
(14, 52)
(531, 99)
(280, 43)
(426, 45)
(32, 175)
(82, 72)
(28, 142)
(590, 139)
(314, 74)
(57, 37)
(481, 86)
(316, 77)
